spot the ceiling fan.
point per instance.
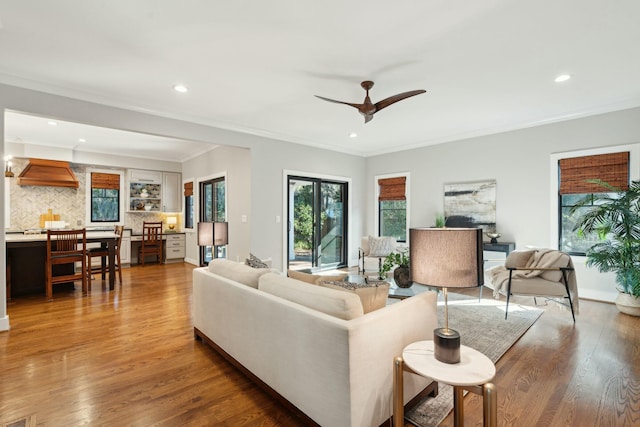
(368, 108)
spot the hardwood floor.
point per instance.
(128, 357)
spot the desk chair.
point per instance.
(66, 247)
(103, 253)
(151, 241)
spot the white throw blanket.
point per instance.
(542, 258)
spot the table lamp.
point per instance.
(213, 233)
(171, 222)
(446, 258)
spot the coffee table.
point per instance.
(395, 291)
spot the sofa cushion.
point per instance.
(314, 279)
(237, 271)
(372, 296)
(381, 246)
(344, 305)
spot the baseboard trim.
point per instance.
(4, 323)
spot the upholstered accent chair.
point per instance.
(372, 252)
(544, 273)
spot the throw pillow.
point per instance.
(519, 259)
(372, 296)
(314, 279)
(381, 246)
(255, 262)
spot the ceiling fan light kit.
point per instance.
(368, 108)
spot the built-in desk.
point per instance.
(174, 248)
(26, 255)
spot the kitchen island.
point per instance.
(26, 257)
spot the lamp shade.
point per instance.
(446, 257)
(213, 233)
(172, 220)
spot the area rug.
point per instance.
(28, 421)
(482, 326)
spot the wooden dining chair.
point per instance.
(151, 241)
(66, 247)
(103, 253)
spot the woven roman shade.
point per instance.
(392, 188)
(108, 181)
(188, 189)
(611, 168)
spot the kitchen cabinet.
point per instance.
(145, 176)
(175, 247)
(154, 191)
(125, 248)
(171, 192)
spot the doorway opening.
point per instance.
(212, 209)
(317, 224)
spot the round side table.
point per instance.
(473, 373)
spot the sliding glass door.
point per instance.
(317, 224)
(212, 208)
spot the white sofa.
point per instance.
(335, 372)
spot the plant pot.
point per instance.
(628, 304)
(401, 277)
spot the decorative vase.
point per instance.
(628, 304)
(401, 277)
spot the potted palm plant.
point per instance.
(616, 220)
(401, 273)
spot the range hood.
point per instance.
(51, 173)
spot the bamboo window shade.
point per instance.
(611, 168)
(188, 189)
(392, 188)
(108, 181)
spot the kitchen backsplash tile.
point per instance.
(29, 202)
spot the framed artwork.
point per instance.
(471, 204)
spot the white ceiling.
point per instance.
(254, 66)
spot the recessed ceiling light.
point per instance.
(180, 88)
(52, 123)
(82, 140)
(353, 135)
(562, 78)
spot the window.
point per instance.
(188, 205)
(392, 208)
(105, 197)
(574, 174)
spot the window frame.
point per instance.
(88, 195)
(376, 202)
(193, 213)
(554, 182)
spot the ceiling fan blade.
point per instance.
(395, 98)
(358, 106)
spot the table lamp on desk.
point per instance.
(446, 258)
(171, 222)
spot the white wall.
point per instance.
(519, 162)
(268, 163)
(235, 164)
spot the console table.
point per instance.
(472, 373)
(506, 247)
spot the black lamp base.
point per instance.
(446, 343)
